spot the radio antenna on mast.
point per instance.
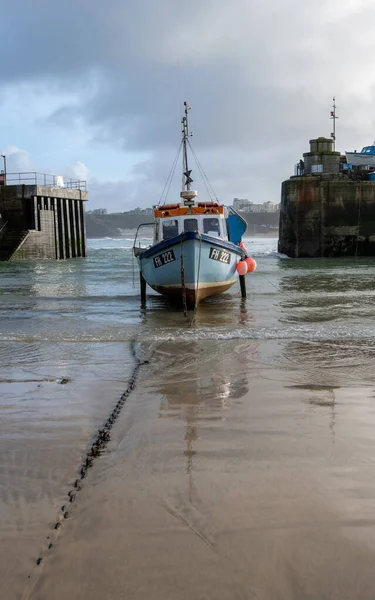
(334, 117)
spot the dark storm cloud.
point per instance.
(259, 75)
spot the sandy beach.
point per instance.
(224, 483)
(46, 427)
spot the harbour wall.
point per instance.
(42, 222)
(327, 208)
(327, 216)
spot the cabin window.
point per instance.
(190, 224)
(170, 228)
(211, 226)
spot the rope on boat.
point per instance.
(183, 286)
(170, 176)
(206, 181)
(133, 270)
(269, 281)
(198, 275)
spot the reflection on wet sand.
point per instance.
(222, 482)
(322, 396)
(191, 436)
(205, 398)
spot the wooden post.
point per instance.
(142, 282)
(243, 286)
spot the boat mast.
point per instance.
(185, 134)
(333, 117)
(187, 193)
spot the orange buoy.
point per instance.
(242, 246)
(251, 264)
(241, 267)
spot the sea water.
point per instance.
(253, 424)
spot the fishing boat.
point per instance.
(365, 158)
(196, 245)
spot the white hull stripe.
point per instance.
(194, 286)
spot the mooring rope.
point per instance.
(183, 286)
(206, 181)
(266, 278)
(198, 276)
(170, 176)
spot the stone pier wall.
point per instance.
(52, 217)
(330, 216)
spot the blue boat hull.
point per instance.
(199, 264)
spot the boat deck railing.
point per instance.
(138, 228)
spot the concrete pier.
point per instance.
(42, 221)
(325, 210)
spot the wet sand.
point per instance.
(46, 427)
(237, 469)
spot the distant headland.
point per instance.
(261, 219)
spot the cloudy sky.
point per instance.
(95, 90)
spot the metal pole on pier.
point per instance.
(5, 168)
(334, 117)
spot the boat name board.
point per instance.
(220, 255)
(164, 259)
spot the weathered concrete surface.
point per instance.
(28, 191)
(39, 244)
(42, 222)
(322, 216)
(322, 153)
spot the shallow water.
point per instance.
(241, 465)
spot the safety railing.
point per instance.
(34, 178)
(138, 228)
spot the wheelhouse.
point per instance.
(205, 217)
(368, 150)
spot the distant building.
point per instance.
(246, 206)
(241, 204)
(268, 207)
(141, 211)
(99, 211)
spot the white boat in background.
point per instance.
(365, 158)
